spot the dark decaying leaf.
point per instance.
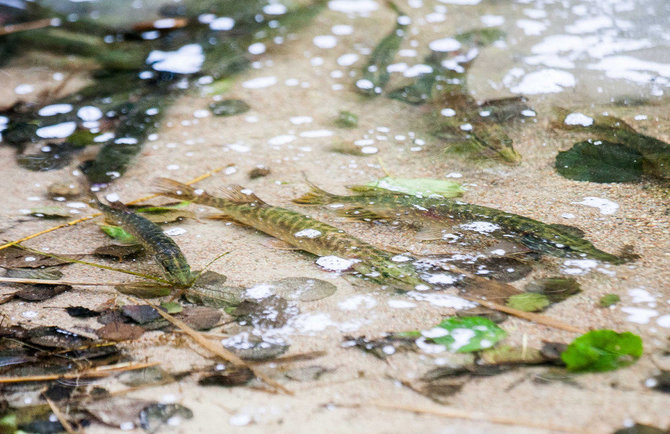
(59, 391)
(155, 416)
(14, 257)
(229, 107)
(441, 389)
(144, 289)
(112, 315)
(552, 351)
(141, 314)
(258, 172)
(441, 383)
(229, 377)
(660, 382)
(50, 212)
(119, 252)
(118, 331)
(556, 289)
(639, 428)
(308, 373)
(269, 312)
(146, 376)
(602, 350)
(41, 292)
(600, 161)
(81, 312)
(53, 156)
(257, 349)
(382, 347)
(303, 288)
(200, 317)
(55, 337)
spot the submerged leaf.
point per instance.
(229, 377)
(602, 350)
(419, 186)
(116, 331)
(50, 212)
(119, 251)
(506, 355)
(15, 257)
(40, 273)
(600, 161)
(528, 302)
(144, 289)
(556, 289)
(467, 334)
(155, 416)
(303, 288)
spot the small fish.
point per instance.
(166, 252)
(370, 203)
(301, 231)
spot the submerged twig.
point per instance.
(535, 317)
(57, 282)
(92, 216)
(22, 27)
(220, 351)
(67, 426)
(102, 371)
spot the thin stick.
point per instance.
(456, 413)
(535, 317)
(220, 351)
(92, 216)
(57, 282)
(61, 417)
(103, 371)
(22, 27)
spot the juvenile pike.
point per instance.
(372, 203)
(166, 252)
(300, 231)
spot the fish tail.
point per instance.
(174, 189)
(316, 196)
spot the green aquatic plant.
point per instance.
(602, 350)
(528, 302)
(135, 81)
(622, 148)
(464, 334)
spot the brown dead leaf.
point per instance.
(117, 331)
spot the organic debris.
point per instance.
(602, 350)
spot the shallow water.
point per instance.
(580, 55)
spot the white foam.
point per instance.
(222, 24)
(441, 300)
(335, 263)
(605, 206)
(639, 315)
(353, 7)
(481, 227)
(58, 131)
(260, 82)
(358, 302)
(444, 45)
(401, 304)
(578, 119)
(55, 109)
(307, 233)
(186, 60)
(325, 41)
(544, 81)
(347, 59)
(281, 139)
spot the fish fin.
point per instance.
(274, 243)
(224, 217)
(174, 189)
(429, 233)
(359, 214)
(316, 196)
(571, 230)
(238, 194)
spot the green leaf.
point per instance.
(469, 333)
(172, 307)
(602, 350)
(600, 161)
(528, 301)
(608, 300)
(419, 186)
(118, 233)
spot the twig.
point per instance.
(219, 350)
(92, 216)
(22, 27)
(102, 371)
(535, 317)
(456, 413)
(61, 417)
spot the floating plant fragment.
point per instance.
(375, 74)
(608, 300)
(118, 233)
(600, 161)
(655, 153)
(602, 350)
(346, 119)
(419, 186)
(528, 302)
(466, 334)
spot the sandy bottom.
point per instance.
(350, 397)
